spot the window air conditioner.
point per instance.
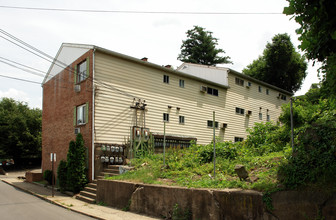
(248, 85)
(203, 89)
(249, 113)
(77, 130)
(279, 96)
(77, 88)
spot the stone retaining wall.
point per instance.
(230, 204)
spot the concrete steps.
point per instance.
(89, 193)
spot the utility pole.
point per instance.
(164, 144)
(214, 143)
(292, 124)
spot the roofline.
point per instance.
(58, 52)
(260, 82)
(153, 65)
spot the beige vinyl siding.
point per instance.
(249, 99)
(114, 117)
(125, 80)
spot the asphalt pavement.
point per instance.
(17, 204)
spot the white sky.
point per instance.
(156, 36)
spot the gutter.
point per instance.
(92, 117)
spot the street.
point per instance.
(16, 204)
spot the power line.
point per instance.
(26, 70)
(25, 80)
(140, 12)
(55, 61)
(23, 65)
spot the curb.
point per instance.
(50, 201)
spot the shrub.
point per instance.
(47, 175)
(314, 158)
(62, 175)
(266, 138)
(76, 176)
(226, 150)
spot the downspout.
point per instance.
(93, 108)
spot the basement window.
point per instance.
(238, 139)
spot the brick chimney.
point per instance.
(144, 59)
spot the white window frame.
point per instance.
(240, 111)
(181, 83)
(239, 81)
(268, 117)
(238, 139)
(166, 117)
(166, 79)
(181, 119)
(260, 116)
(81, 114)
(81, 71)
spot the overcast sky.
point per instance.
(156, 36)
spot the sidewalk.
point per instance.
(68, 202)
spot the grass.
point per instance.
(194, 168)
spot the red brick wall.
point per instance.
(59, 101)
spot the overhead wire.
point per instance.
(20, 79)
(56, 61)
(140, 12)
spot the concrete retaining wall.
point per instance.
(230, 204)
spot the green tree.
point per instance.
(200, 47)
(20, 131)
(76, 175)
(280, 65)
(317, 35)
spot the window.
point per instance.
(81, 71)
(238, 139)
(268, 117)
(212, 91)
(181, 83)
(267, 91)
(283, 97)
(239, 82)
(259, 89)
(249, 84)
(166, 79)
(210, 124)
(166, 117)
(240, 111)
(81, 114)
(181, 119)
(260, 116)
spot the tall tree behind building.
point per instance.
(200, 48)
(280, 65)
